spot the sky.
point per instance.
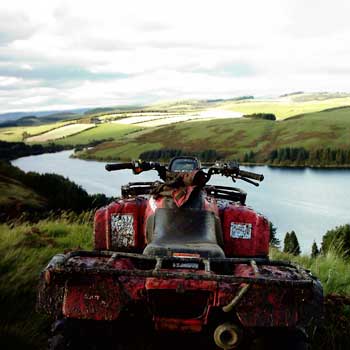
(69, 54)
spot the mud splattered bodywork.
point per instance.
(194, 257)
(181, 293)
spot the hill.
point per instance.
(311, 129)
(234, 138)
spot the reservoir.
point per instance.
(308, 201)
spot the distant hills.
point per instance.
(44, 116)
(14, 119)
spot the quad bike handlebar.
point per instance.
(228, 169)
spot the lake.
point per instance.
(308, 201)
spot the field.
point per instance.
(282, 107)
(285, 108)
(235, 137)
(15, 134)
(61, 132)
(100, 132)
(155, 119)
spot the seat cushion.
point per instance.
(183, 230)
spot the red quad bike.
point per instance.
(179, 256)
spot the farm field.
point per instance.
(99, 132)
(284, 108)
(160, 119)
(60, 132)
(15, 134)
(237, 136)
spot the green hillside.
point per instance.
(15, 134)
(233, 138)
(283, 107)
(100, 132)
(286, 107)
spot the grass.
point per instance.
(235, 137)
(24, 250)
(100, 132)
(332, 269)
(14, 193)
(281, 107)
(284, 108)
(15, 134)
(61, 132)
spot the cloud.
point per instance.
(87, 53)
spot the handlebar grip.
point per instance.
(253, 176)
(118, 166)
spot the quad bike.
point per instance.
(179, 256)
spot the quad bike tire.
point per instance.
(282, 341)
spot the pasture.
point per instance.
(61, 132)
(235, 137)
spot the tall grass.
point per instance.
(25, 249)
(332, 268)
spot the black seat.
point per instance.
(183, 230)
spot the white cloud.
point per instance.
(79, 53)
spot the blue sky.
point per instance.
(67, 54)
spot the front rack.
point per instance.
(234, 194)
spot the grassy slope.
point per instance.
(14, 134)
(12, 190)
(234, 137)
(284, 108)
(281, 107)
(24, 250)
(100, 132)
(16, 197)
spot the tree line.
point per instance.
(299, 156)
(166, 154)
(336, 240)
(320, 156)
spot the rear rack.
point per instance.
(211, 269)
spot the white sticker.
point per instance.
(243, 231)
(122, 227)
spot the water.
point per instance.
(308, 201)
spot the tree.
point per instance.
(274, 241)
(286, 243)
(291, 244)
(314, 250)
(295, 247)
